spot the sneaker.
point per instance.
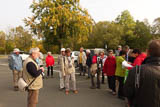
(75, 92)
(67, 92)
(114, 93)
(109, 90)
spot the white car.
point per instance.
(75, 54)
(24, 55)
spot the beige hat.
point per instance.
(16, 50)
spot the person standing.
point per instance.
(128, 52)
(109, 70)
(89, 62)
(41, 57)
(82, 61)
(61, 62)
(101, 64)
(69, 72)
(32, 72)
(15, 64)
(142, 86)
(49, 64)
(94, 71)
(120, 73)
(139, 57)
(118, 50)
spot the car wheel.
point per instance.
(76, 64)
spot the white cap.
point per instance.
(16, 50)
(63, 49)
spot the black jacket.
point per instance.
(148, 93)
(89, 60)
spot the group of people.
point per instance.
(32, 71)
(131, 74)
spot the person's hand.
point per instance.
(105, 74)
(129, 63)
(42, 69)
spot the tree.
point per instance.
(2, 42)
(142, 36)
(21, 38)
(104, 33)
(156, 28)
(57, 20)
(127, 21)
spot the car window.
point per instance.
(76, 53)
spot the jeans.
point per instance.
(98, 79)
(89, 71)
(103, 77)
(61, 80)
(73, 79)
(120, 89)
(50, 68)
(112, 83)
(16, 76)
(82, 69)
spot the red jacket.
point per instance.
(139, 59)
(109, 67)
(49, 61)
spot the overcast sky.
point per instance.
(14, 11)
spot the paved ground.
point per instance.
(50, 96)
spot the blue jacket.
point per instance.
(15, 62)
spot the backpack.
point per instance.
(10, 61)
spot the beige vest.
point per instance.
(38, 83)
(69, 70)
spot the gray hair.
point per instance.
(33, 50)
(49, 53)
(88, 51)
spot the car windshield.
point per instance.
(76, 53)
(22, 52)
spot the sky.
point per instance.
(14, 11)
